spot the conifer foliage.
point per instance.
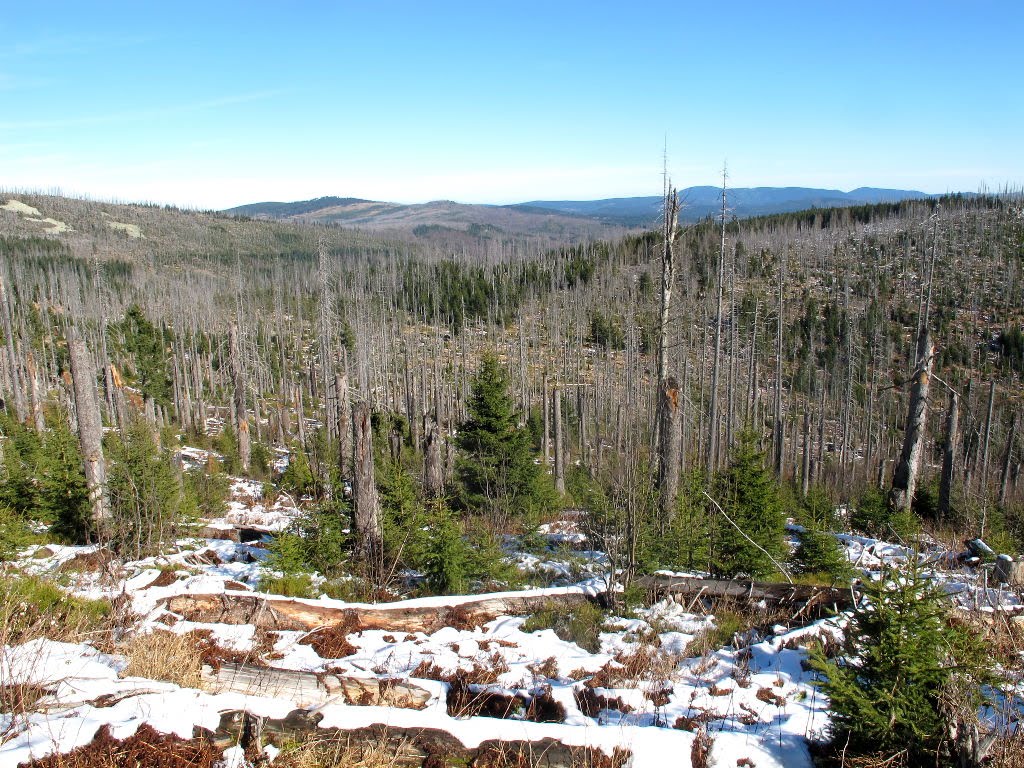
(890, 692)
(749, 495)
(496, 471)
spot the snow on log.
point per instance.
(279, 613)
(747, 591)
(308, 690)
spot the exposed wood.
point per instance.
(433, 465)
(309, 689)
(949, 457)
(749, 591)
(904, 480)
(409, 747)
(559, 440)
(238, 401)
(1007, 457)
(90, 428)
(286, 614)
(670, 444)
(367, 517)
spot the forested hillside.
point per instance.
(437, 418)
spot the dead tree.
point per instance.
(238, 383)
(90, 427)
(904, 479)
(949, 452)
(670, 446)
(433, 463)
(364, 488)
(669, 435)
(1007, 458)
(343, 410)
(713, 417)
(556, 409)
(14, 369)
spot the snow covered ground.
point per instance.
(643, 688)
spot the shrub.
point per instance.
(903, 660)
(315, 541)
(15, 533)
(148, 503)
(208, 492)
(32, 606)
(579, 623)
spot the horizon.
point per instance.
(208, 108)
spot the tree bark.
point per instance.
(904, 480)
(364, 489)
(90, 427)
(670, 443)
(559, 443)
(238, 383)
(949, 458)
(433, 464)
(1007, 458)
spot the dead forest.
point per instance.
(868, 349)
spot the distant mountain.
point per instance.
(699, 202)
(558, 219)
(440, 220)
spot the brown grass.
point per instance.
(165, 656)
(327, 753)
(146, 748)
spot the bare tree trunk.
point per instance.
(364, 489)
(35, 398)
(433, 463)
(904, 479)
(713, 417)
(17, 390)
(90, 427)
(547, 423)
(559, 444)
(1007, 458)
(670, 441)
(949, 456)
(343, 410)
(983, 477)
(805, 473)
(778, 432)
(238, 382)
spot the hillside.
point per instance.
(570, 220)
(437, 220)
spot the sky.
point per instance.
(216, 104)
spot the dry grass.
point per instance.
(328, 753)
(164, 656)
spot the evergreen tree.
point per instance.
(749, 495)
(903, 663)
(819, 551)
(148, 502)
(495, 470)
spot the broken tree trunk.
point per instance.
(309, 689)
(670, 440)
(949, 453)
(90, 427)
(343, 410)
(238, 382)
(904, 479)
(1007, 457)
(406, 747)
(364, 489)
(280, 613)
(433, 466)
(559, 444)
(804, 595)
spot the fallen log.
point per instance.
(309, 690)
(280, 613)
(407, 747)
(804, 596)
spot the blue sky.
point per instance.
(217, 104)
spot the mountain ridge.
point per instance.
(582, 217)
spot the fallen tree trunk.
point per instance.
(309, 690)
(280, 613)
(747, 591)
(407, 747)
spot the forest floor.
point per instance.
(662, 682)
